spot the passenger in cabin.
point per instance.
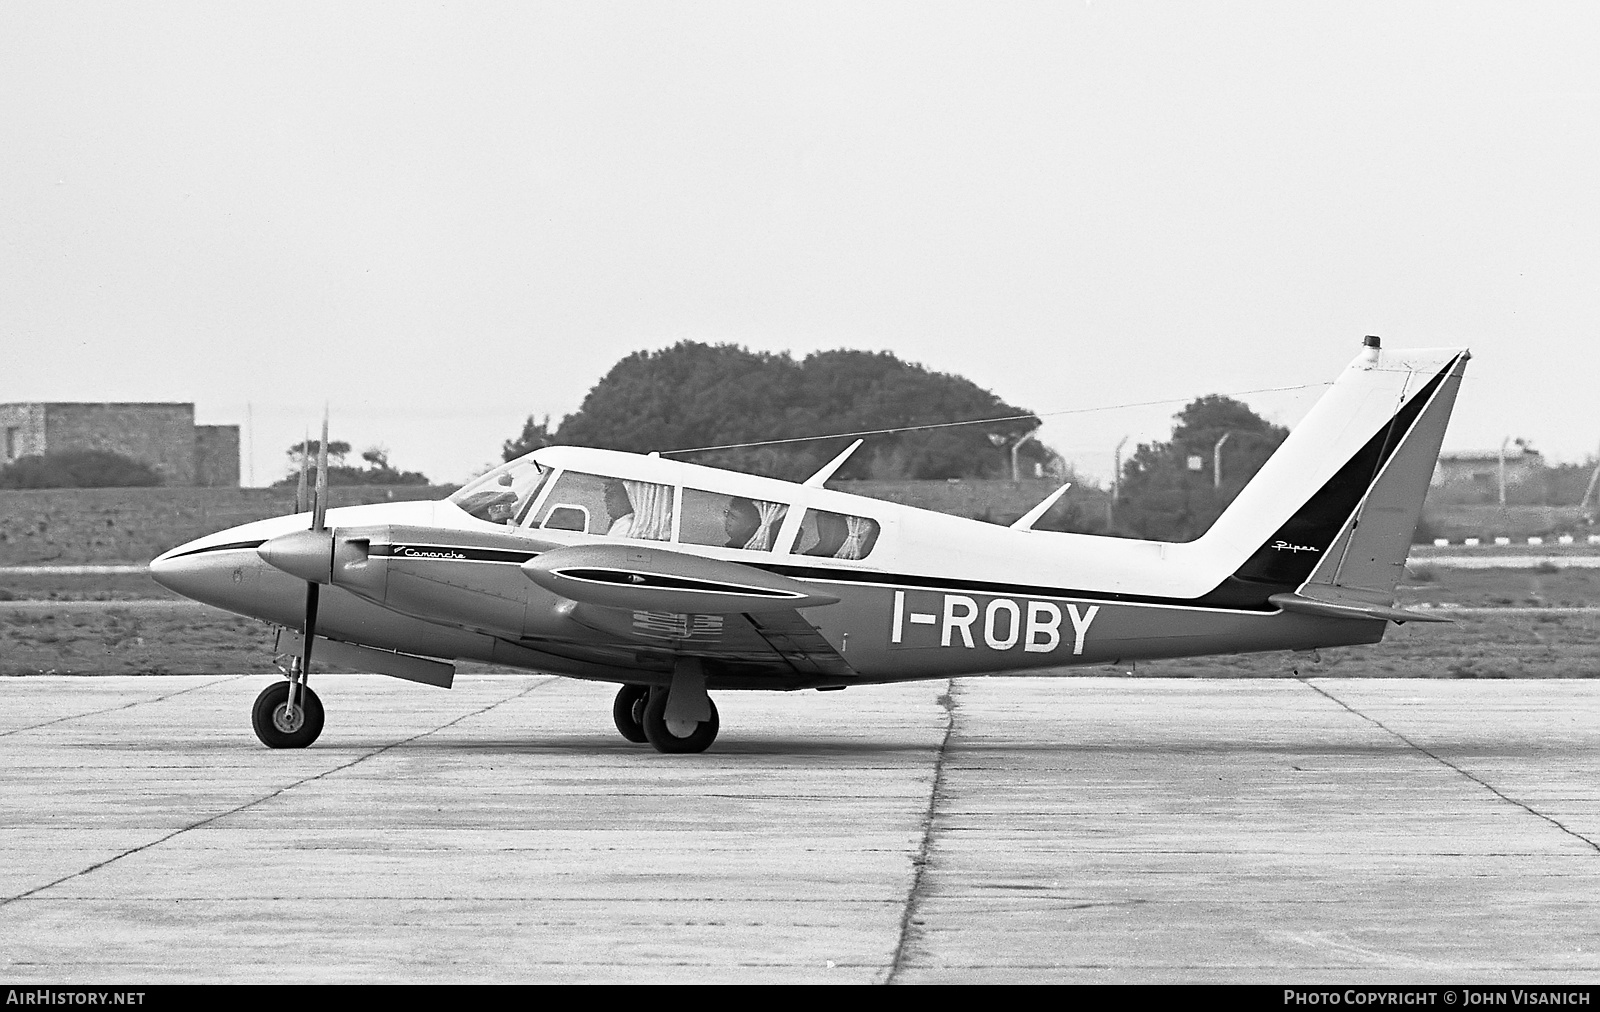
(831, 534)
(741, 520)
(620, 508)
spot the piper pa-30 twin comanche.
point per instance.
(675, 579)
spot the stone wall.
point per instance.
(21, 431)
(161, 435)
(216, 456)
(105, 526)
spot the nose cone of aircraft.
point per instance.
(220, 575)
(180, 572)
(306, 554)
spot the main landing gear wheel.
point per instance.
(628, 711)
(273, 724)
(697, 737)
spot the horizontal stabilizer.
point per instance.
(1351, 609)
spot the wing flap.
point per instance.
(800, 644)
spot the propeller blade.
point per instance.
(322, 477)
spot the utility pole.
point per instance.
(1216, 461)
(1503, 443)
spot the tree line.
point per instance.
(78, 469)
(377, 472)
(695, 395)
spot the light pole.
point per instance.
(1216, 461)
(1116, 484)
(998, 439)
(1584, 509)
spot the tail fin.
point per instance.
(1343, 494)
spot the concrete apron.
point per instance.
(1082, 829)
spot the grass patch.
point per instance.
(182, 640)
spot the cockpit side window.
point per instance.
(525, 503)
(504, 494)
(616, 507)
(836, 535)
(730, 521)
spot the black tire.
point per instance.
(628, 712)
(655, 727)
(267, 717)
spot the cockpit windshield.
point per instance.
(503, 494)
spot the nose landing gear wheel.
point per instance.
(628, 711)
(274, 725)
(667, 738)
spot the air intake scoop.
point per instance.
(649, 579)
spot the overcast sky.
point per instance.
(442, 218)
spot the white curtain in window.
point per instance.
(771, 519)
(855, 545)
(652, 510)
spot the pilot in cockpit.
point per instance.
(496, 504)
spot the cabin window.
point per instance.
(525, 502)
(503, 495)
(836, 535)
(568, 518)
(596, 504)
(730, 521)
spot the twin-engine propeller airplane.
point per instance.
(675, 579)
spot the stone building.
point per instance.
(162, 435)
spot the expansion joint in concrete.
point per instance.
(208, 820)
(908, 916)
(124, 706)
(1441, 760)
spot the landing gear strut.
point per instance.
(277, 725)
(669, 733)
(678, 718)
